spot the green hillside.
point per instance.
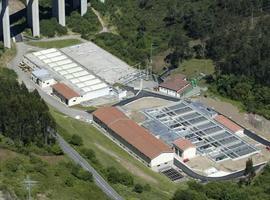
(234, 34)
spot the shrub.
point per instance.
(76, 140)
(56, 150)
(69, 182)
(138, 188)
(126, 179)
(147, 187)
(81, 174)
(114, 176)
(89, 154)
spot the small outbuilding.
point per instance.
(176, 85)
(229, 124)
(66, 94)
(42, 78)
(184, 148)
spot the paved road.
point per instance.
(100, 182)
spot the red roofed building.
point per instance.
(176, 85)
(227, 123)
(66, 94)
(136, 139)
(184, 148)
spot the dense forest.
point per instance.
(24, 116)
(235, 34)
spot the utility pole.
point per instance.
(29, 184)
(149, 68)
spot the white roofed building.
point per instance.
(71, 73)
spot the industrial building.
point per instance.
(184, 148)
(176, 86)
(230, 125)
(66, 94)
(196, 123)
(134, 138)
(42, 78)
(71, 74)
(100, 62)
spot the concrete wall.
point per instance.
(95, 94)
(189, 153)
(162, 161)
(46, 83)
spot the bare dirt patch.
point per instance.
(130, 167)
(7, 154)
(146, 102)
(53, 159)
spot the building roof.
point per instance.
(183, 144)
(40, 73)
(66, 69)
(109, 114)
(65, 91)
(176, 83)
(228, 123)
(131, 132)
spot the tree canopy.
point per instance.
(24, 116)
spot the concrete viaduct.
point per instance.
(58, 10)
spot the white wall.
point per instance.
(240, 133)
(169, 92)
(189, 153)
(96, 94)
(74, 101)
(46, 83)
(161, 160)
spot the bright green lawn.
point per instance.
(161, 189)
(55, 43)
(193, 67)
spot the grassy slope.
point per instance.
(7, 56)
(51, 178)
(55, 43)
(192, 68)
(162, 188)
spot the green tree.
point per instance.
(76, 140)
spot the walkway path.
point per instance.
(103, 24)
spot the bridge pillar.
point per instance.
(5, 24)
(59, 11)
(33, 16)
(81, 4)
(83, 8)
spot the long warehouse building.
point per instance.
(70, 73)
(136, 139)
